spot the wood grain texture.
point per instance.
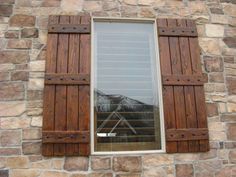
(178, 31)
(67, 105)
(184, 75)
(70, 28)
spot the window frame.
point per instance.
(159, 86)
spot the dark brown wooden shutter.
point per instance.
(66, 113)
(183, 92)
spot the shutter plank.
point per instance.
(49, 91)
(168, 102)
(84, 91)
(199, 90)
(178, 90)
(191, 121)
(61, 91)
(73, 91)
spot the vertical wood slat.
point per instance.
(199, 90)
(61, 91)
(84, 91)
(179, 55)
(67, 107)
(73, 91)
(168, 93)
(49, 91)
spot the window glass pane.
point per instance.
(126, 108)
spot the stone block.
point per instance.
(24, 173)
(216, 77)
(15, 57)
(231, 85)
(19, 44)
(5, 10)
(155, 172)
(127, 164)
(208, 166)
(29, 33)
(12, 34)
(15, 123)
(210, 46)
(51, 3)
(231, 133)
(214, 30)
(35, 84)
(21, 20)
(230, 42)
(100, 163)
(92, 6)
(32, 134)
(20, 76)
(54, 174)
(76, 164)
(37, 121)
(17, 162)
(4, 173)
(10, 138)
(184, 170)
(11, 91)
(10, 151)
(7, 107)
(4, 76)
(72, 5)
(102, 174)
(232, 156)
(228, 118)
(38, 65)
(31, 148)
(212, 109)
(213, 64)
(154, 160)
(34, 95)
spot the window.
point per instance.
(126, 87)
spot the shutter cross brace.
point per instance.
(67, 79)
(177, 31)
(69, 28)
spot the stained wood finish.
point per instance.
(184, 79)
(66, 95)
(69, 28)
(178, 31)
(67, 79)
(65, 137)
(183, 94)
(187, 134)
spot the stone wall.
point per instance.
(23, 33)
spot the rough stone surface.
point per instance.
(10, 138)
(127, 164)
(29, 33)
(76, 163)
(184, 170)
(7, 107)
(21, 20)
(15, 57)
(100, 163)
(19, 44)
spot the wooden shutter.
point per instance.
(67, 87)
(183, 93)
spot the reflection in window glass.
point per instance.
(126, 108)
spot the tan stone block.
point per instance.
(214, 30)
(231, 85)
(130, 2)
(154, 172)
(212, 109)
(20, 75)
(19, 44)
(217, 135)
(224, 172)
(2, 162)
(230, 71)
(35, 112)
(128, 175)
(204, 174)
(232, 156)
(54, 174)
(10, 138)
(229, 9)
(51, 3)
(15, 123)
(22, 20)
(6, 67)
(231, 107)
(42, 22)
(76, 164)
(129, 11)
(37, 121)
(197, 7)
(4, 76)
(35, 84)
(31, 148)
(102, 174)
(220, 19)
(79, 175)
(32, 134)
(222, 153)
(15, 57)
(10, 151)
(29, 33)
(154, 160)
(146, 12)
(228, 118)
(44, 164)
(184, 170)
(219, 126)
(232, 21)
(127, 164)
(186, 157)
(23, 3)
(72, 5)
(210, 46)
(92, 6)
(208, 155)
(231, 133)
(146, 2)
(24, 173)
(208, 166)
(100, 163)
(34, 95)
(17, 162)
(11, 91)
(38, 65)
(58, 164)
(7, 107)
(216, 77)
(12, 34)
